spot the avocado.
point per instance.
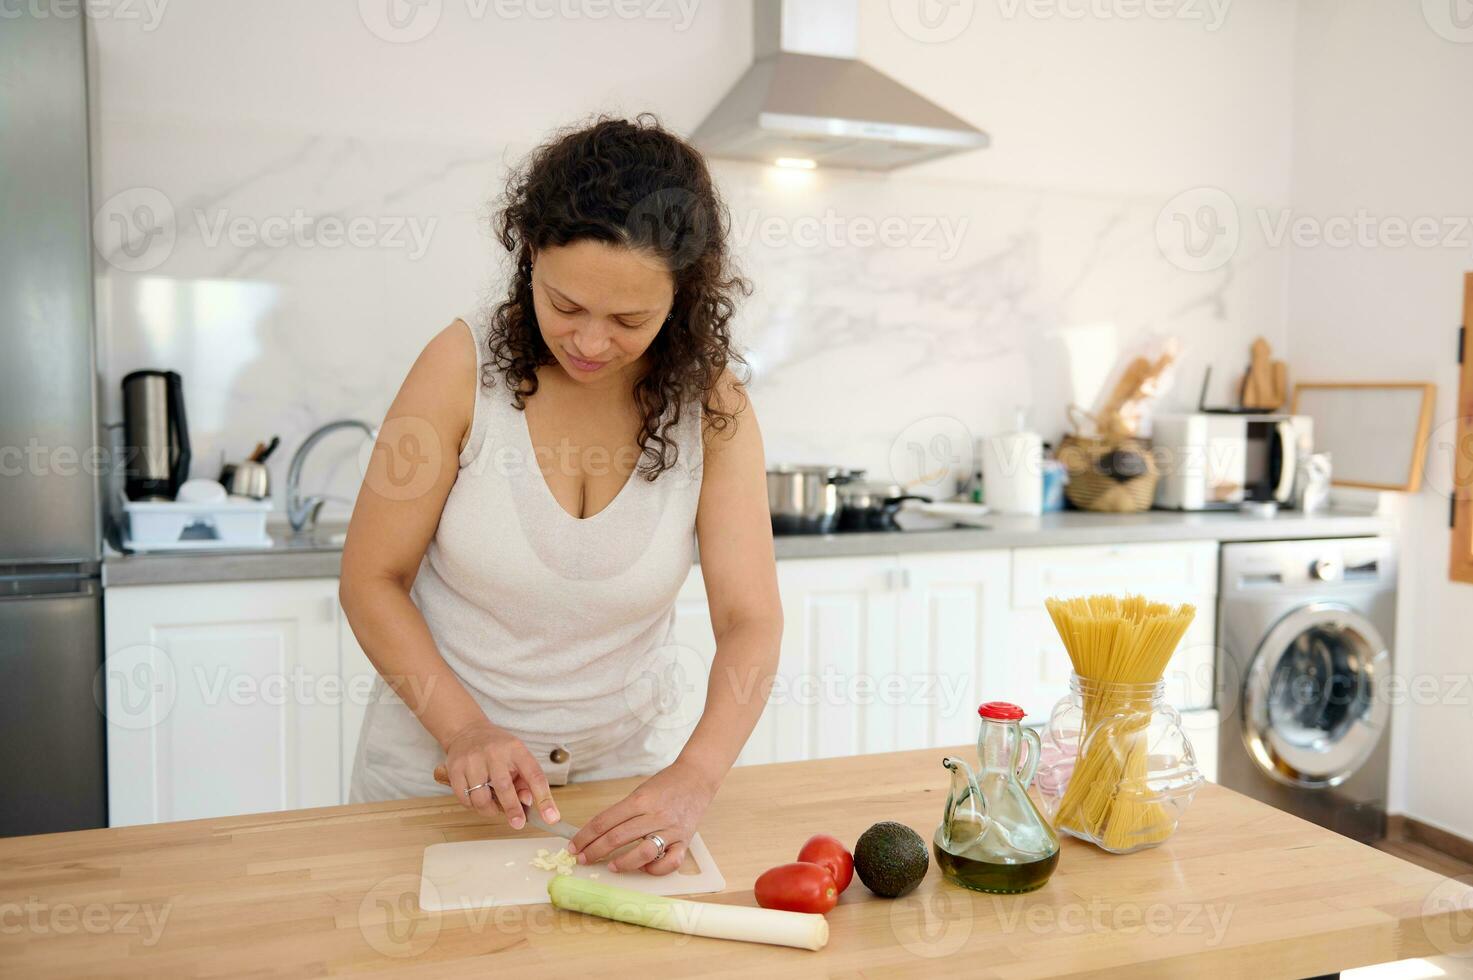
(891, 859)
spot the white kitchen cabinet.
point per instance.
(834, 613)
(954, 630)
(221, 698)
(231, 698)
(879, 653)
(1170, 572)
(840, 620)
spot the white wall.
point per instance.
(276, 108)
(1382, 125)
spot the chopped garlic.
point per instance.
(562, 862)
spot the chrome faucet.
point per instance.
(302, 511)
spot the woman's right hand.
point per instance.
(485, 754)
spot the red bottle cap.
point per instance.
(1001, 711)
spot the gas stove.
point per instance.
(905, 522)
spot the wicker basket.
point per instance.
(1115, 476)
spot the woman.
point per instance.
(517, 594)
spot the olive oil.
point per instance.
(992, 837)
(991, 876)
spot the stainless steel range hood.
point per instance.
(807, 97)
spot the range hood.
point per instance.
(807, 97)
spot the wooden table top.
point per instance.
(1240, 890)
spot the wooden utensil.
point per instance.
(262, 451)
(1266, 385)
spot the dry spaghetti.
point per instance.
(1119, 648)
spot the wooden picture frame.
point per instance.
(1420, 401)
(1460, 566)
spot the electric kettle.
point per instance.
(155, 435)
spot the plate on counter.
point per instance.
(961, 512)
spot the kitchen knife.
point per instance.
(561, 829)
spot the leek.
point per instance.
(804, 930)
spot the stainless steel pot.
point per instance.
(803, 499)
(248, 479)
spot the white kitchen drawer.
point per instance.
(1170, 571)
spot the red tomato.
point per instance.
(831, 853)
(797, 887)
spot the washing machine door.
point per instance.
(1313, 707)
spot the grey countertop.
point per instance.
(319, 553)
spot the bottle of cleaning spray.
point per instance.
(1012, 469)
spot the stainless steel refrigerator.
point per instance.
(53, 770)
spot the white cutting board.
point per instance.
(478, 874)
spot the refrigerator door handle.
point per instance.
(47, 587)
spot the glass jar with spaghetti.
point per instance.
(1117, 769)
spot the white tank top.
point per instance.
(550, 621)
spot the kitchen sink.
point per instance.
(326, 538)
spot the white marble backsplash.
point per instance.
(979, 300)
(291, 267)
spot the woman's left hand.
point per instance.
(670, 803)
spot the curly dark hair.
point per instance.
(630, 183)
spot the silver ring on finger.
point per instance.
(471, 789)
(659, 843)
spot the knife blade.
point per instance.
(561, 829)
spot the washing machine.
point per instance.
(1303, 667)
